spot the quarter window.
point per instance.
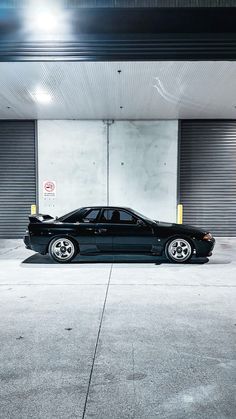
(91, 216)
(71, 218)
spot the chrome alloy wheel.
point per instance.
(179, 250)
(63, 249)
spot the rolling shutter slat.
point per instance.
(208, 175)
(17, 176)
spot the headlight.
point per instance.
(208, 237)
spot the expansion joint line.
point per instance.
(108, 123)
(96, 345)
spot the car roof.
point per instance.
(106, 207)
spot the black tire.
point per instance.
(70, 249)
(183, 252)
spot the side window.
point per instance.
(117, 216)
(90, 216)
(126, 217)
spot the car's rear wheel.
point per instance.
(178, 250)
(62, 250)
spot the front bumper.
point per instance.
(204, 248)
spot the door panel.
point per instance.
(132, 238)
(103, 237)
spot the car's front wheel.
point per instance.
(178, 250)
(62, 250)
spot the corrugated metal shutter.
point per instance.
(17, 176)
(208, 174)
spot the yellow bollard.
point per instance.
(33, 209)
(180, 214)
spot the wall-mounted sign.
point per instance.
(49, 189)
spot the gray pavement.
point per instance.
(114, 338)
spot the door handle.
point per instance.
(101, 230)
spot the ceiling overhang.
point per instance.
(112, 90)
(125, 34)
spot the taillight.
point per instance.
(208, 237)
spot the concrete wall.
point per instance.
(142, 165)
(74, 154)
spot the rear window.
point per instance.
(71, 217)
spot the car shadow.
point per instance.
(224, 261)
(39, 259)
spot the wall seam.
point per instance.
(108, 161)
(178, 166)
(108, 123)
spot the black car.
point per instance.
(93, 230)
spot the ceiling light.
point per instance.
(41, 96)
(46, 21)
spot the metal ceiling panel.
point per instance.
(140, 90)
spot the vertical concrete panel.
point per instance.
(143, 167)
(74, 154)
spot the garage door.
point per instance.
(208, 174)
(17, 176)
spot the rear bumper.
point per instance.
(32, 244)
(27, 241)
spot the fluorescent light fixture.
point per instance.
(46, 20)
(41, 96)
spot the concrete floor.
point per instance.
(107, 339)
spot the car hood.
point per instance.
(181, 228)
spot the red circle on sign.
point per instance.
(49, 186)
